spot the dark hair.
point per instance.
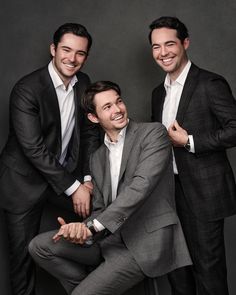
(72, 28)
(171, 23)
(97, 87)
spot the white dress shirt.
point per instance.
(173, 94)
(66, 103)
(115, 157)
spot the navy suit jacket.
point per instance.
(30, 160)
(207, 110)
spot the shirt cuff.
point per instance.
(98, 225)
(72, 188)
(192, 148)
(87, 178)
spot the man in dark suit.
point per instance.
(49, 136)
(199, 111)
(134, 228)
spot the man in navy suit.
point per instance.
(199, 111)
(49, 136)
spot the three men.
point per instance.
(133, 230)
(199, 111)
(49, 136)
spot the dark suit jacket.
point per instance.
(29, 161)
(143, 212)
(207, 110)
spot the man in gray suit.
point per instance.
(133, 230)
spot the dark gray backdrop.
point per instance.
(120, 53)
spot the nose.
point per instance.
(163, 51)
(116, 108)
(72, 57)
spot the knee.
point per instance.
(39, 246)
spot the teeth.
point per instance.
(118, 118)
(167, 60)
(69, 65)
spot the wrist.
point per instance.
(90, 225)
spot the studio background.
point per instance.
(120, 53)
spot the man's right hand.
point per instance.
(81, 201)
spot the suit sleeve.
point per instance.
(221, 134)
(26, 122)
(154, 158)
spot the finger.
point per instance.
(61, 220)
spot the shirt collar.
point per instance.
(182, 77)
(121, 137)
(57, 82)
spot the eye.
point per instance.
(81, 53)
(155, 47)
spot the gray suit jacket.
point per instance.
(143, 212)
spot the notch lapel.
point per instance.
(128, 144)
(189, 87)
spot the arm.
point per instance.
(154, 158)
(26, 123)
(222, 105)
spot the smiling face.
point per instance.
(69, 56)
(111, 113)
(168, 51)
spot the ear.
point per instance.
(93, 118)
(52, 49)
(186, 43)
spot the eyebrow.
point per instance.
(165, 43)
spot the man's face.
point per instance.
(69, 56)
(168, 51)
(111, 111)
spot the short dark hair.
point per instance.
(97, 87)
(73, 28)
(171, 23)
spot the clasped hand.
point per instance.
(75, 232)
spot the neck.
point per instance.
(113, 135)
(175, 75)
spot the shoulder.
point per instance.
(83, 78)
(147, 131)
(205, 75)
(35, 80)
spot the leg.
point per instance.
(118, 273)
(206, 245)
(21, 229)
(69, 263)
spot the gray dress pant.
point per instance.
(103, 268)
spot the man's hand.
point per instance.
(177, 134)
(89, 186)
(74, 232)
(81, 201)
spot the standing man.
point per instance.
(199, 111)
(49, 136)
(133, 208)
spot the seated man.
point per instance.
(133, 230)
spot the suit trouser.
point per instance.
(205, 240)
(21, 228)
(104, 268)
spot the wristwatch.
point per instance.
(91, 227)
(187, 146)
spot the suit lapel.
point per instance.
(128, 144)
(106, 177)
(189, 87)
(52, 105)
(160, 103)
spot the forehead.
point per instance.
(163, 35)
(104, 97)
(72, 40)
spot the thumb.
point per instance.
(176, 124)
(61, 220)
